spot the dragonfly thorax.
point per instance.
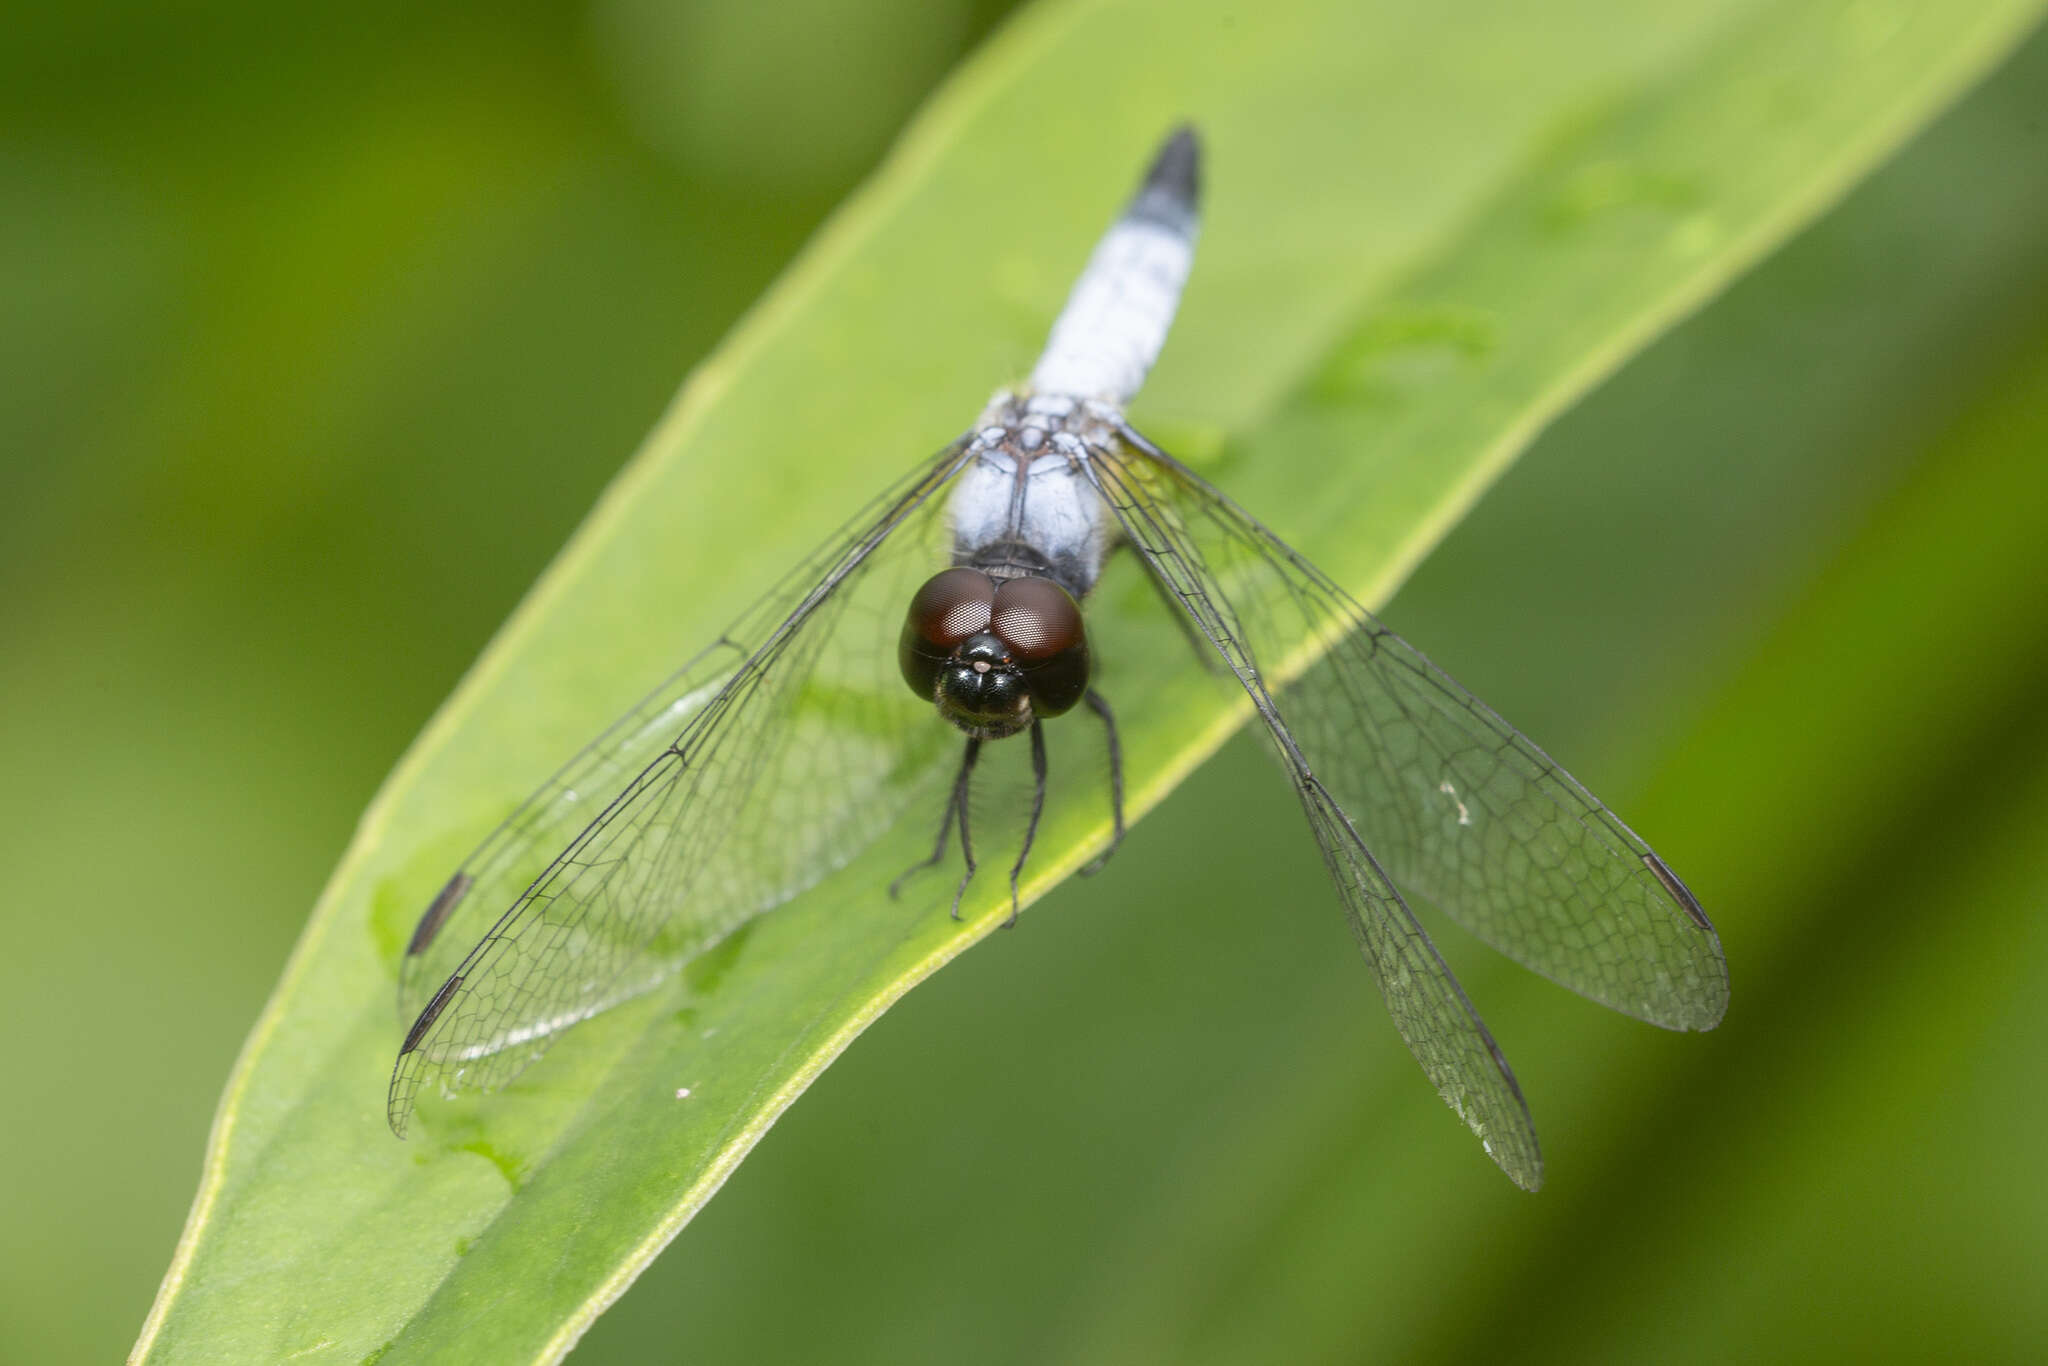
(1024, 503)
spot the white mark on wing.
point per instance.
(1464, 816)
(694, 698)
(513, 1037)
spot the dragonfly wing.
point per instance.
(769, 760)
(1430, 1010)
(526, 842)
(1460, 807)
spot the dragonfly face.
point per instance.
(727, 792)
(994, 655)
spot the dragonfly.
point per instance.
(799, 738)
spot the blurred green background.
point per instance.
(325, 327)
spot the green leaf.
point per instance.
(1426, 236)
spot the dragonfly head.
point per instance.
(994, 656)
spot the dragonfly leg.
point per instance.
(1100, 706)
(956, 804)
(960, 805)
(1037, 810)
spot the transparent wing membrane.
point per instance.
(1457, 806)
(747, 777)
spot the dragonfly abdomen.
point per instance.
(1115, 322)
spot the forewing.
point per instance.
(522, 847)
(1460, 807)
(1429, 1009)
(768, 761)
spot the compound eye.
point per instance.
(1036, 618)
(1040, 624)
(952, 605)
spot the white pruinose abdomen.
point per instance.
(1116, 320)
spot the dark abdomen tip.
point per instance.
(1172, 192)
